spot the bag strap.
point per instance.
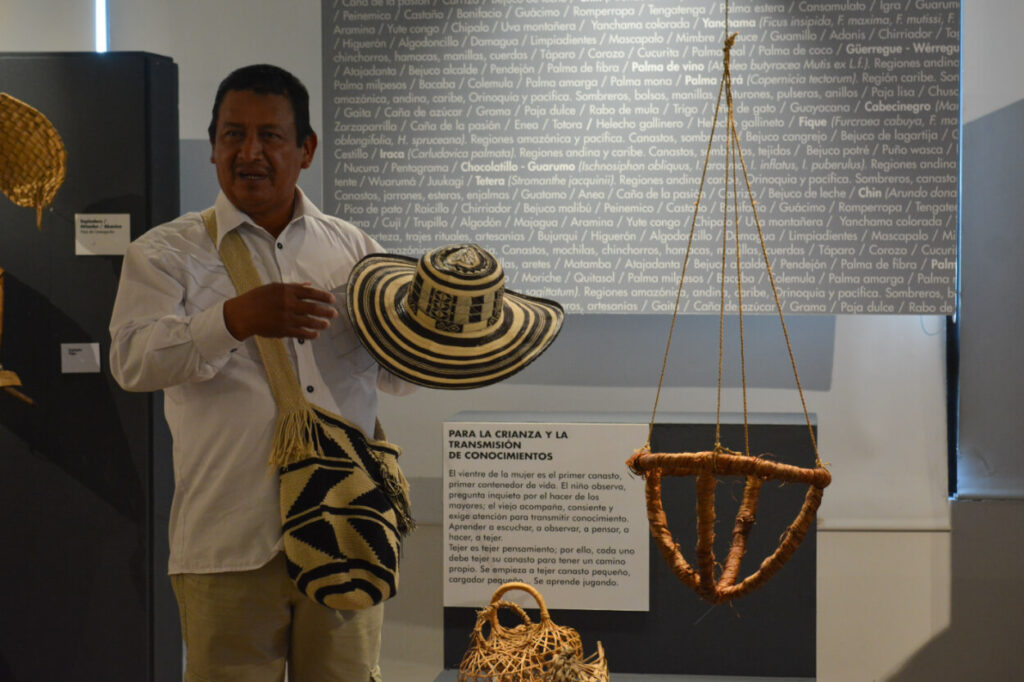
(238, 261)
(294, 438)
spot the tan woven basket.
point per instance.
(528, 651)
(9, 381)
(32, 156)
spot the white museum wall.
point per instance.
(47, 26)
(992, 77)
(882, 422)
(210, 38)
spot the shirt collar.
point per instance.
(230, 218)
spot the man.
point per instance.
(179, 326)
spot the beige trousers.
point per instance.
(250, 626)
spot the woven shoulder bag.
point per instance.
(344, 501)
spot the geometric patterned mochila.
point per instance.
(344, 500)
(342, 533)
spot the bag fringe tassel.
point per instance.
(295, 438)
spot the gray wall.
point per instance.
(992, 311)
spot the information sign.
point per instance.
(552, 505)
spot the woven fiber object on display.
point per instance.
(9, 381)
(528, 651)
(707, 466)
(33, 160)
(344, 512)
(446, 320)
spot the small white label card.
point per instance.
(79, 358)
(102, 234)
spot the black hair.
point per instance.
(265, 79)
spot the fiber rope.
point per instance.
(733, 158)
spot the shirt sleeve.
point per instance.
(395, 385)
(154, 343)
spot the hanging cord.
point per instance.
(721, 276)
(689, 243)
(733, 152)
(730, 165)
(686, 260)
(739, 279)
(725, 225)
(775, 294)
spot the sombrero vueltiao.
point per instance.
(446, 320)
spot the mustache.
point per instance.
(251, 170)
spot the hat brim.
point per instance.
(437, 359)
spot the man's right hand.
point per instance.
(279, 310)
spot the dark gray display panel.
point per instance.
(85, 502)
(569, 138)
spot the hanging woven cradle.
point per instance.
(712, 581)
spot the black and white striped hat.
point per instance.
(447, 321)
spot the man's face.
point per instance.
(257, 158)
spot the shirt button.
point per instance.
(309, 389)
(280, 245)
(302, 341)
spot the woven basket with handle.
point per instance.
(528, 651)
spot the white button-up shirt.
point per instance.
(168, 333)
